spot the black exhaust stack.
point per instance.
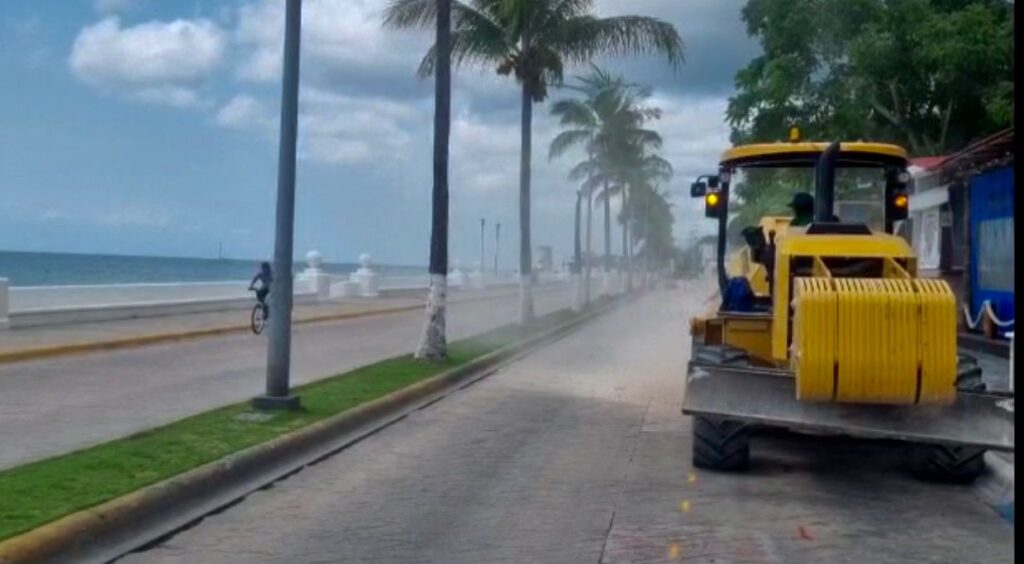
(824, 184)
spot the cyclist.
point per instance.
(264, 277)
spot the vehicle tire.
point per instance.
(969, 375)
(257, 319)
(720, 444)
(949, 464)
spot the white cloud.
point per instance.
(335, 129)
(243, 112)
(157, 62)
(336, 35)
(341, 129)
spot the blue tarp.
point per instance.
(992, 228)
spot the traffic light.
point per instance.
(712, 204)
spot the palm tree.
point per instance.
(433, 345)
(533, 40)
(646, 169)
(608, 121)
(651, 215)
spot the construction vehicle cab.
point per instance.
(840, 335)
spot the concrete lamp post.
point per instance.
(279, 348)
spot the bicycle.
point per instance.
(258, 317)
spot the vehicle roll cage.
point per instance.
(825, 164)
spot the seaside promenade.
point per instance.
(59, 403)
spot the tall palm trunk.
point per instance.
(626, 242)
(590, 213)
(577, 264)
(525, 255)
(577, 251)
(433, 344)
(607, 228)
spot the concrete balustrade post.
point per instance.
(476, 278)
(319, 282)
(5, 304)
(456, 278)
(606, 283)
(576, 290)
(366, 277)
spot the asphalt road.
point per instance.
(50, 407)
(578, 453)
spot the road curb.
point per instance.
(171, 337)
(995, 486)
(134, 520)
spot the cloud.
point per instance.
(340, 129)
(333, 128)
(156, 62)
(245, 112)
(361, 104)
(716, 44)
(344, 47)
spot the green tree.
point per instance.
(533, 40)
(929, 74)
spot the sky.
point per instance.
(149, 127)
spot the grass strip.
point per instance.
(40, 492)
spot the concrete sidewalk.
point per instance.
(53, 340)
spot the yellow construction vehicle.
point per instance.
(835, 333)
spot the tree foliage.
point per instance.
(534, 40)
(608, 121)
(928, 74)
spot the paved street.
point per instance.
(49, 407)
(578, 453)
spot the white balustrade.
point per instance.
(4, 304)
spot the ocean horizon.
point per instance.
(24, 268)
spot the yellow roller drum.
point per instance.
(938, 341)
(877, 341)
(814, 332)
(878, 360)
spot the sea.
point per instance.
(65, 269)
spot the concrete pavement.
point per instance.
(578, 453)
(49, 407)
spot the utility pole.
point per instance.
(279, 347)
(497, 239)
(482, 223)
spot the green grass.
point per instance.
(43, 491)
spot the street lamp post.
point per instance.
(497, 239)
(482, 223)
(278, 394)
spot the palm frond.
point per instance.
(468, 47)
(404, 14)
(585, 169)
(572, 112)
(583, 38)
(566, 140)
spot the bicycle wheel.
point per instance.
(258, 319)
